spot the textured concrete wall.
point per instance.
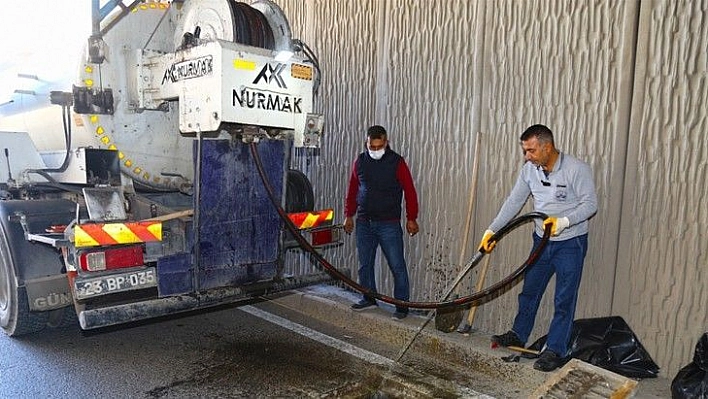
(623, 86)
(662, 279)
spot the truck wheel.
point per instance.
(64, 318)
(15, 317)
(299, 196)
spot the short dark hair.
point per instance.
(376, 132)
(541, 132)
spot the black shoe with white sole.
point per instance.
(549, 361)
(363, 304)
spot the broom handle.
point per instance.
(478, 288)
(473, 191)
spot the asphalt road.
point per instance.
(232, 352)
(260, 350)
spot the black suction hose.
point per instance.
(66, 120)
(445, 303)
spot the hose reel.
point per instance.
(259, 24)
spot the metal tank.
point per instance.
(151, 149)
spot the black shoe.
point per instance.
(400, 314)
(549, 361)
(363, 304)
(464, 329)
(509, 338)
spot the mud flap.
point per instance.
(48, 293)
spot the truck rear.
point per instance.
(181, 117)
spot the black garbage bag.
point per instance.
(608, 342)
(692, 380)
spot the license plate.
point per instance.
(103, 285)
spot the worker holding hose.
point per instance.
(379, 180)
(562, 187)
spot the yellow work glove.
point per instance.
(485, 245)
(557, 224)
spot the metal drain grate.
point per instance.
(578, 379)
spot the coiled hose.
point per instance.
(445, 302)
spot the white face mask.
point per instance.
(378, 154)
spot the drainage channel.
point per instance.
(385, 379)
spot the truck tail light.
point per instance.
(113, 258)
(316, 227)
(322, 235)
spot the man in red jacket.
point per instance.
(379, 180)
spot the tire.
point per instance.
(63, 319)
(299, 196)
(15, 318)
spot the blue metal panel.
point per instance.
(239, 227)
(175, 274)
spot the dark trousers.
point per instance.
(565, 259)
(389, 236)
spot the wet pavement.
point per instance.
(307, 343)
(228, 353)
(262, 350)
(467, 357)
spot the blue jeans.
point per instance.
(388, 234)
(565, 259)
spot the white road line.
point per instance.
(345, 347)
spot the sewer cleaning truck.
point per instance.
(172, 181)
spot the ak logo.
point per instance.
(272, 74)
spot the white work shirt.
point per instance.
(567, 191)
